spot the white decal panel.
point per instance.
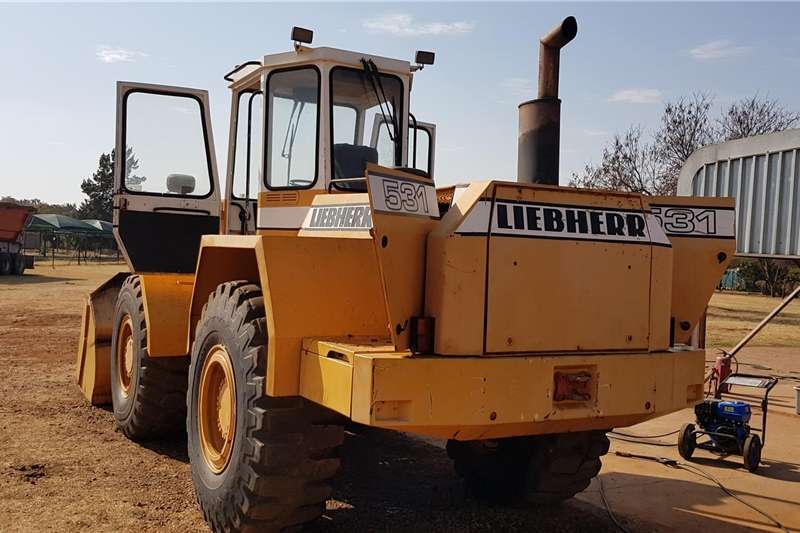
(338, 218)
(281, 217)
(571, 222)
(403, 196)
(689, 221)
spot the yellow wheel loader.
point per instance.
(332, 282)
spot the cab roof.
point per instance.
(249, 74)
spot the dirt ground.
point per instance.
(64, 467)
(731, 315)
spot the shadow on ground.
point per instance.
(704, 502)
(392, 482)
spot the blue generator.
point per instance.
(726, 423)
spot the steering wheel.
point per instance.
(300, 182)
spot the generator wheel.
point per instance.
(5, 264)
(543, 469)
(687, 441)
(259, 463)
(752, 452)
(148, 394)
(19, 264)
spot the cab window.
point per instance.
(376, 101)
(292, 126)
(247, 155)
(165, 147)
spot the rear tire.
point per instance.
(687, 441)
(19, 264)
(148, 394)
(752, 452)
(5, 264)
(543, 469)
(268, 467)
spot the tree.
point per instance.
(69, 210)
(755, 116)
(685, 127)
(100, 190)
(100, 187)
(132, 181)
(631, 163)
(769, 276)
(627, 164)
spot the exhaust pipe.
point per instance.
(540, 119)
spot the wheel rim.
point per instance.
(125, 356)
(217, 409)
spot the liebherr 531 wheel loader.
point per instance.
(334, 282)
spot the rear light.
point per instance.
(573, 385)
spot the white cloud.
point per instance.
(403, 25)
(109, 54)
(636, 96)
(524, 88)
(720, 49)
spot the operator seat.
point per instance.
(350, 161)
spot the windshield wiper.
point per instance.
(291, 132)
(377, 87)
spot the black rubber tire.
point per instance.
(751, 452)
(5, 264)
(19, 264)
(543, 469)
(156, 405)
(687, 441)
(281, 463)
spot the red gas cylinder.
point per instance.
(722, 369)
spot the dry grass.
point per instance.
(732, 315)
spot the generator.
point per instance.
(726, 423)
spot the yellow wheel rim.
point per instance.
(125, 356)
(217, 409)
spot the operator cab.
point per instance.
(327, 114)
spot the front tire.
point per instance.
(542, 469)
(148, 394)
(258, 462)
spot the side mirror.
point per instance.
(180, 184)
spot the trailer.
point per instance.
(13, 219)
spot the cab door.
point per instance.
(244, 163)
(166, 189)
(421, 145)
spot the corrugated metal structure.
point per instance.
(763, 174)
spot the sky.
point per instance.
(60, 62)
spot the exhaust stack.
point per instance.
(540, 119)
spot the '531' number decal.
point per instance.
(692, 220)
(397, 195)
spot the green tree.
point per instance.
(100, 187)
